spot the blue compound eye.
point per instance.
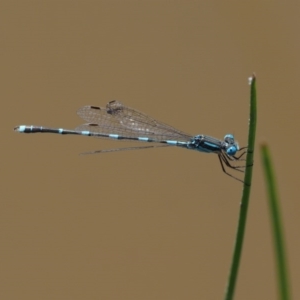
(229, 136)
(231, 150)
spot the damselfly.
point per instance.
(120, 122)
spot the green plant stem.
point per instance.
(245, 197)
(282, 273)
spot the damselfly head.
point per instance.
(231, 146)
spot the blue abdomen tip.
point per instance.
(20, 128)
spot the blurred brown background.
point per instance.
(152, 224)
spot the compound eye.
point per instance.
(231, 150)
(229, 138)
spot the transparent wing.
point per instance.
(128, 122)
(123, 149)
